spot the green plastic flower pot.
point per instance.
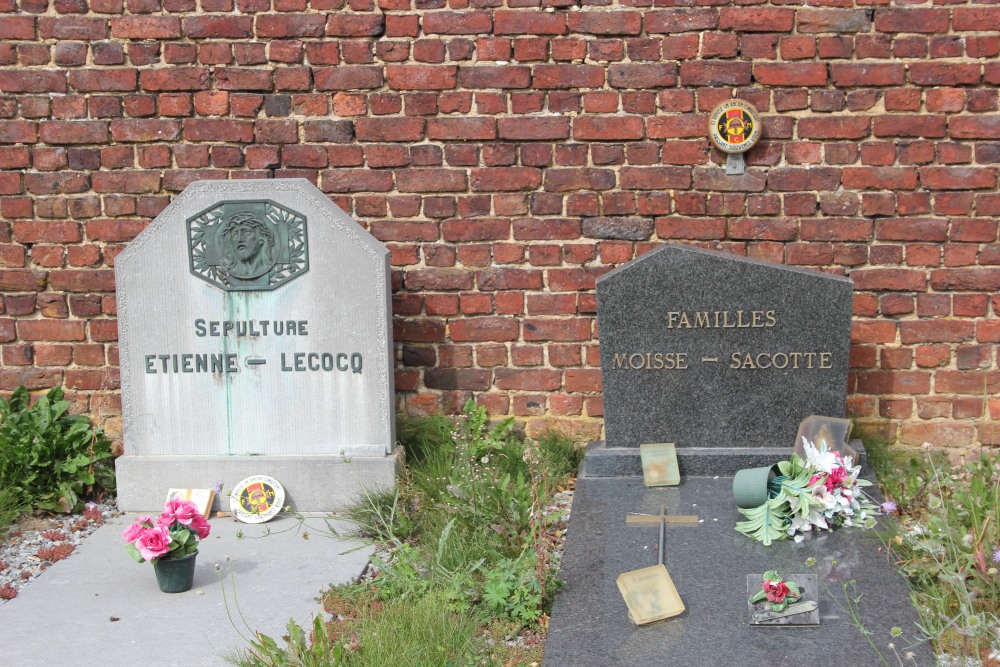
(175, 575)
(750, 486)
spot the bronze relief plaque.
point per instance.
(248, 245)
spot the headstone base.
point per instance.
(604, 461)
(313, 483)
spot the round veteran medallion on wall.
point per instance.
(257, 499)
(734, 126)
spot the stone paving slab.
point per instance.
(709, 564)
(64, 617)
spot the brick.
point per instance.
(505, 179)
(642, 76)
(602, 21)
(17, 28)
(958, 178)
(944, 74)
(568, 76)
(681, 20)
(756, 19)
(849, 75)
(237, 78)
(833, 20)
(431, 180)
(531, 22)
(421, 77)
(565, 180)
(715, 73)
(608, 128)
(146, 27)
(484, 329)
(218, 27)
(355, 25)
(974, 127)
(51, 330)
(785, 179)
(980, 279)
(73, 132)
(22, 81)
(490, 76)
(175, 78)
(527, 379)
(290, 25)
(790, 74)
(355, 180)
(840, 127)
(469, 22)
(910, 126)
(879, 178)
(534, 129)
(911, 20)
(72, 27)
(348, 77)
(104, 80)
(23, 132)
(505, 278)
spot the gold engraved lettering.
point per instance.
(721, 319)
(780, 360)
(656, 361)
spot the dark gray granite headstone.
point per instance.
(705, 349)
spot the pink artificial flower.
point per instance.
(153, 542)
(836, 477)
(776, 591)
(200, 526)
(181, 511)
(132, 533)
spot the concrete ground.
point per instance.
(99, 607)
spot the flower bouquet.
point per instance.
(171, 545)
(822, 491)
(175, 534)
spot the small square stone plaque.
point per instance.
(810, 593)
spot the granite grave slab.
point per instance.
(709, 565)
(255, 331)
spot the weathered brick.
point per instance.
(146, 27)
(421, 77)
(494, 76)
(348, 77)
(528, 22)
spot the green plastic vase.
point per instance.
(750, 486)
(175, 575)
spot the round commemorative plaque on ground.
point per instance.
(257, 499)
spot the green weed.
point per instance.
(947, 543)
(47, 456)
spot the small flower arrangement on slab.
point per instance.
(174, 535)
(822, 492)
(778, 592)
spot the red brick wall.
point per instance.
(508, 155)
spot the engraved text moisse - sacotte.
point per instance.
(736, 359)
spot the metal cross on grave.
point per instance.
(661, 519)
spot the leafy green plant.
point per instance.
(513, 591)
(300, 649)
(11, 507)
(47, 455)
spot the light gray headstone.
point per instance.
(705, 349)
(271, 355)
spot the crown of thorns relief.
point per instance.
(247, 245)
